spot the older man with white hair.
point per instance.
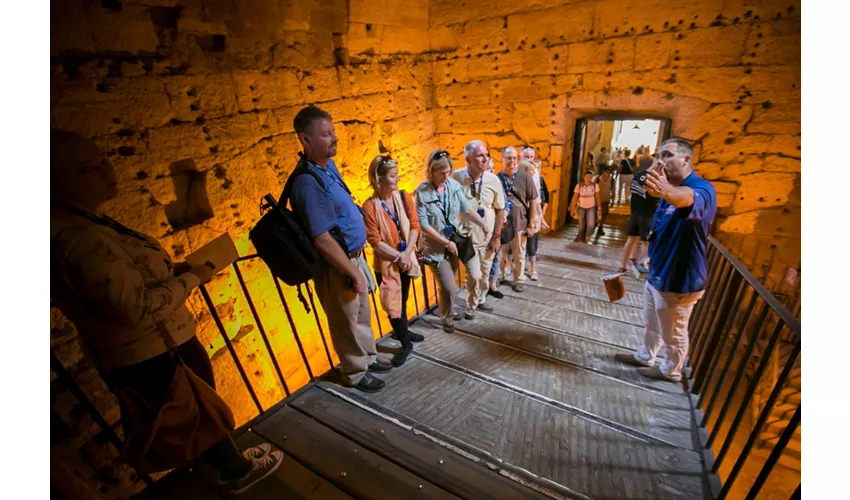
(484, 193)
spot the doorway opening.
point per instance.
(613, 133)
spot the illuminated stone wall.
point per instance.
(193, 102)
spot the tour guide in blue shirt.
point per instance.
(677, 259)
(344, 280)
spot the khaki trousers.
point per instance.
(477, 277)
(517, 246)
(349, 319)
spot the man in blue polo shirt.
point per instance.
(677, 254)
(334, 222)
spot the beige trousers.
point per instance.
(477, 275)
(349, 319)
(667, 315)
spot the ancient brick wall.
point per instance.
(193, 102)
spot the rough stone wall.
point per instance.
(727, 72)
(193, 101)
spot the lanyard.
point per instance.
(476, 191)
(395, 218)
(507, 185)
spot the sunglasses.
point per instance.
(384, 161)
(441, 154)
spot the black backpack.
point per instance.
(281, 240)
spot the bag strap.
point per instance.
(300, 168)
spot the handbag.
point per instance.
(192, 418)
(465, 248)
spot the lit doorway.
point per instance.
(612, 133)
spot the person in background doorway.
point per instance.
(127, 299)
(642, 207)
(585, 205)
(644, 159)
(677, 275)
(627, 171)
(605, 183)
(484, 194)
(439, 200)
(392, 228)
(604, 160)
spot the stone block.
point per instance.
(319, 85)
(653, 51)
(411, 14)
(725, 193)
(69, 28)
(543, 61)
(763, 190)
(531, 121)
(522, 89)
(744, 223)
(616, 17)
(127, 30)
(602, 56)
(760, 10)
(267, 90)
(207, 96)
(733, 170)
(781, 164)
(774, 43)
(717, 46)
(303, 50)
(738, 149)
(570, 23)
(782, 120)
(376, 39)
(780, 222)
(367, 79)
(370, 108)
(709, 84)
(177, 142)
(463, 94)
(444, 12)
(474, 119)
(480, 67)
(474, 37)
(720, 123)
(786, 145)
(114, 104)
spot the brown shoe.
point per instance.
(448, 328)
(518, 287)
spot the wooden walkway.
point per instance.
(523, 402)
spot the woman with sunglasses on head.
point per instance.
(392, 230)
(438, 202)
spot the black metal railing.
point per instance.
(66, 379)
(735, 332)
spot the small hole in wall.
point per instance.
(212, 43)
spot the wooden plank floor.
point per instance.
(524, 401)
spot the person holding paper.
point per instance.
(677, 254)
(124, 294)
(344, 280)
(392, 230)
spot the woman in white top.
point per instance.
(585, 205)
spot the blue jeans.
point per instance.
(494, 269)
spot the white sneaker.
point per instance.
(534, 276)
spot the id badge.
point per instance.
(508, 205)
(448, 231)
(481, 212)
(402, 246)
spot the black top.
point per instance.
(627, 166)
(642, 202)
(544, 192)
